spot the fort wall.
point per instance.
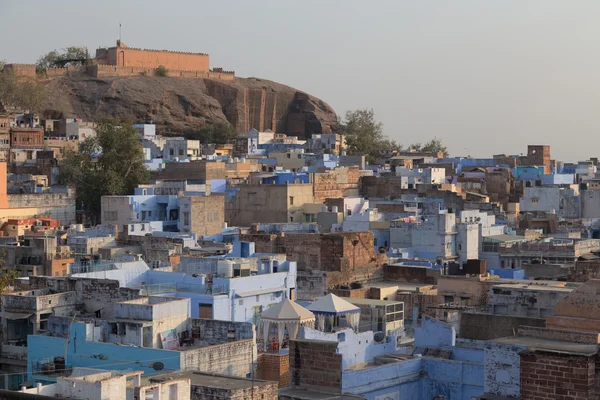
(123, 56)
(101, 71)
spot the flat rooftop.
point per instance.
(209, 380)
(552, 346)
(370, 302)
(307, 394)
(535, 288)
(402, 286)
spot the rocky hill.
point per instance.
(181, 105)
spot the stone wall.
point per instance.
(315, 364)
(60, 206)
(92, 294)
(253, 390)
(207, 214)
(274, 367)
(426, 300)
(311, 285)
(233, 358)
(216, 332)
(488, 326)
(341, 182)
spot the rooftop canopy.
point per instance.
(332, 311)
(286, 316)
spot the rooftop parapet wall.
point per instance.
(101, 71)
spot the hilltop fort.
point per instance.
(123, 80)
(122, 60)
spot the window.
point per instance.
(172, 152)
(180, 152)
(348, 212)
(448, 299)
(186, 218)
(299, 155)
(291, 200)
(534, 200)
(241, 302)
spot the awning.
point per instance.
(14, 315)
(257, 292)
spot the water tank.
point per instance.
(224, 225)
(324, 209)
(225, 268)
(334, 209)
(79, 227)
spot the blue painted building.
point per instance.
(441, 365)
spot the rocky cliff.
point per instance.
(181, 105)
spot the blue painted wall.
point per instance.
(81, 353)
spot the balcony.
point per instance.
(15, 351)
(162, 288)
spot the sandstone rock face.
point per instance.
(181, 105)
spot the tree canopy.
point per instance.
(112, 163)
(220, 133)
(21, 92)
(434, 145)
(62, 57)
(364, 135)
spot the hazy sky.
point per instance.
(486, 76)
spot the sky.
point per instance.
(485, 76)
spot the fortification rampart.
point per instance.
(101, 71)
(21, 69)
(31, 71)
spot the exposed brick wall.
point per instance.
(201, 170)
(488, 326)
(407, 274)
(315, 364)
(584, 271)
(548, 376)
(362, 293)
(274, 367)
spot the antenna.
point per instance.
(119, 31)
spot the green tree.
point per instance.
(22, 92)
(112, 163)
(62, 57)
(2, 64)
(219, 133)
(162, 71)
(434, 145)
(364, 135)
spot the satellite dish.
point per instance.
(157, 366)
(379, 337)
